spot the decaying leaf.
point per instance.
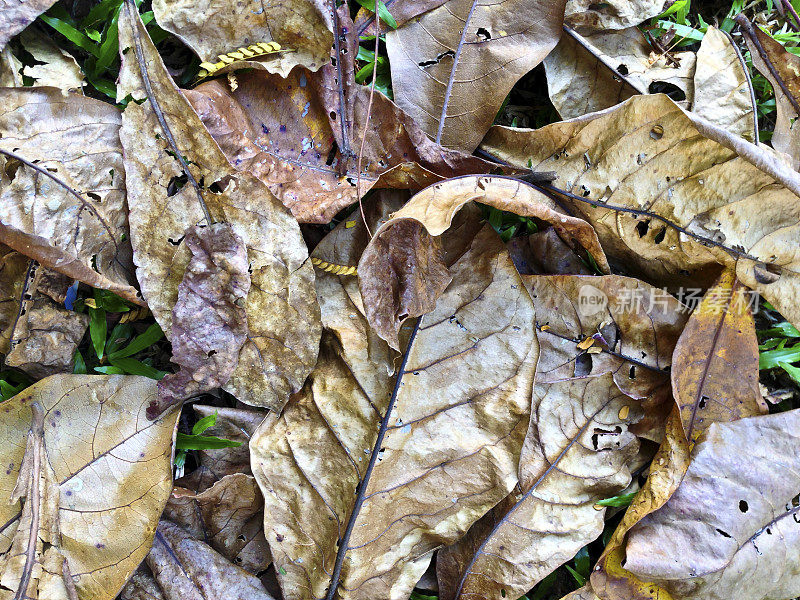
(402, 272)
(17, 15)
(731, 530)
(45, 334)
(722, 91)
(281, 131)
(575, 453)
(10, 68)
(608, 67)
(611, 14)
(13, 274)
(187, 569)
(215, 27)
(453, 66)
(428, 459)
(719, 341)
(55, 67)
(76, 140)
(104, 475)
(209, 322)
(782, 70)
(282, 313)
(229, 516)
(672, 197)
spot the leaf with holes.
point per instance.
(394, 467)
(732, 528)
(671, 196)
(65, 206)
(453, 66)
(87, 491)
(282, 313)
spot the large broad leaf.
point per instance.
(282, 312)
(731, 530)
(392, 468)
(98, 471)
(672, 197)
(81, 223)
(281, 131)
(719, 339)
(214, 27)
(403, 270)
(18, 15)
(453, 67)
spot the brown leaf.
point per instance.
(719, 340)
(229, 516)
(18, 15)
(544, 253)
(281, 131)
(188, 569)
(282, 313)
(141, 586)
(10, 68)
(731, 528)
(453, 66)
(215, 27)
(45, 334)
(76, 140)
(576, 453)
(782, 69)
(673, 198)
(448, 444)
(585, 77)
(110, 473)
(402, 272)
(611, 14)
(13, 275)
(209, 322)
(402, 11)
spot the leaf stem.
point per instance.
(137, 43)
(373, 459)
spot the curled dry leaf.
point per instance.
(718, 341)
(54, 67)
(782, 70)
(282, 313)
(543, 253)
(732, 528)
(18, 15)
(403, 271)
(427, 459)
(611, 14)
(583, 72)
(281, 131)
(188, 569)
(672, 197)
(453, 66)
(401, 10)
(228, 516)
(13, 275)
(104, 475)
(722, 90)
(209, 322)
(76, 140)
(576, 452)
(10, 68)
(214, 27)
(45, 334)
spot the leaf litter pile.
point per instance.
(472, 300)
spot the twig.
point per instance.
(345, 150)
(137, 42)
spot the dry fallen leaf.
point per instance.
(611, 14)
(731, 528)
(10, 69)
(402, 272)
(215, 27)
(75, 139)
(282, 313)
(188, 569)
(576, 452)
(54, 67)
(585, 77)
(453, 66)
(672, 197)
(17, 15)
(718, 341)
(209, 322)
(13, 275)
(104, 475)
(228, 516)
(445, 451)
